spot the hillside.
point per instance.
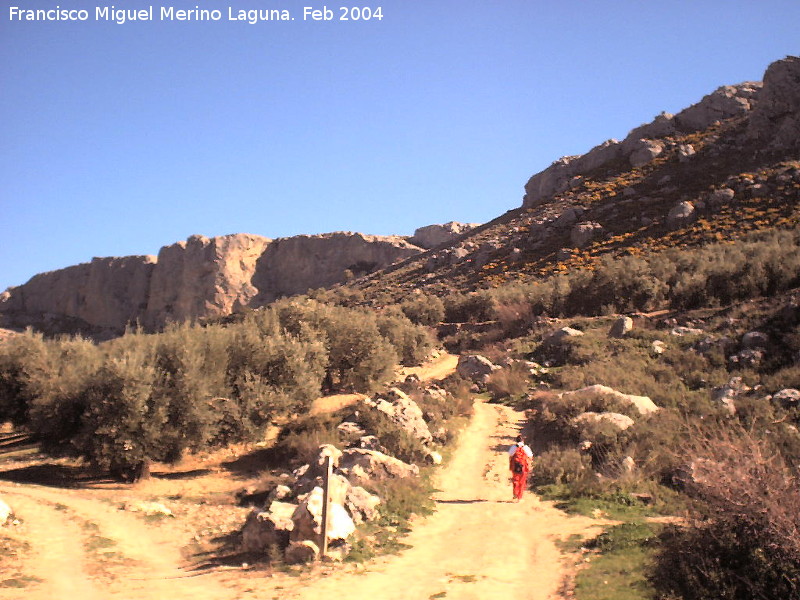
(726, 166)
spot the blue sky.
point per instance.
(119, 139)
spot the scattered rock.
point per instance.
(787, 398)
(559, 335)
(148, 508)
(681, 215)
(362, 505)
(301, 552)
(434, 235)
(727, 394)
(685, 152)
(643, 404)
(475, 367)
(643, 151)
(264, 529)
(5, 512)
(619, 421)
(583, 233)
(307, 520)
(658, 347)
(681, 331)
(361, 466)
(621, 327)
(755, 339)
(628, 464)
(721, 197)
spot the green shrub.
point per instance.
(509, 382)
(423, 309)
(562, 467)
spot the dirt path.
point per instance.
(478, 544)
(88, 549)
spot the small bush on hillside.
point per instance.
(474, 307)
(743, 542)
(412, 343)
(424, 310)
(300, 440)
(509, 382)
(562, 467)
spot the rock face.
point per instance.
(203, 277)
(776, 118)
(107, 292)
(297, 264)
(433, 235)
(200, 278)
(642, 144)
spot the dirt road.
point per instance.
(477, 545)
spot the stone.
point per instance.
(433, 457)
(727, 394)
(787, 398)
(564, 254)
(307, 520)
(583, 233)
(5, 512)
(301, 552)
(685, 152)
(621, 327)
(361, 466)
(755, 339)
(619, 421)
(628, 464)
(723, 103)
(431, 236)
(370, 442)
(568, 218)
(681, 215)
(475, 366)
(362, 505)
(560, 335)
(272, 527)
(681, 331)
(350, 429)
(148, 508)
(644, 151)
(775, 120)
(643, 404)
(658, 347)
(721, 197)
(407, 414)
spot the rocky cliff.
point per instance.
(197, 278)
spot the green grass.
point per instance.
(613, 505)
(619, 571)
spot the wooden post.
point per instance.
(326, 498)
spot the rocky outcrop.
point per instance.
(643, 404)
(200, 278)
(434, 235)
(107, 292)
(776, 118)
(203, 277)
(475, 367)
(643, 144)
(297, 264)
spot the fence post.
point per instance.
(326, 498)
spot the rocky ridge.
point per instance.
(723, 167)
(203, 278)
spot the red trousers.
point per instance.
(519, 480)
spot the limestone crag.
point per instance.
(642, 144)
(776, 118)
(294, 265)
(431, 236)
(199, 278)
(204, 277)
(107, 292)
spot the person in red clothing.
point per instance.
(519, 463)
